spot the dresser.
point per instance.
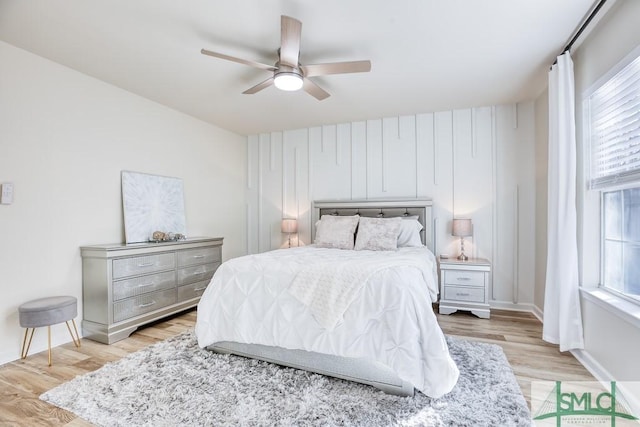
(464, 285)
(127, 286)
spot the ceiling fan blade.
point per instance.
(238, 60)
(290, 41)
(336, 68)
(314, 90)
(257, 88)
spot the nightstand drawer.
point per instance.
(460, 293)
(465, 278)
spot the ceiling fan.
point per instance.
(288, 73)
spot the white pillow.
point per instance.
(410, 232)
(378, 234)
(335, 231)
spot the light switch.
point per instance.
(6, 197)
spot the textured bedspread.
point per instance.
(389, 319)
(329, 287)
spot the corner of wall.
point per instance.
(542, 148)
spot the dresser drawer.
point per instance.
(461, 293)
(466, 278)
(124, 267)
(191, 291)
(143, 284)
(196, 274)
(142, 304)
(199, 256)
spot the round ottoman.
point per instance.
(46, 312)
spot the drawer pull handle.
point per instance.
(199, 289)
(462, 294)
(198, 256)
(149, 304)
(142, 285)
(146, 264)
(464, 279)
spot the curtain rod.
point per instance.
(584, 25)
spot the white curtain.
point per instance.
(562, 317)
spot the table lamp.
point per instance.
(289, 225)
(462, 228)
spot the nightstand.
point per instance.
(464, 285)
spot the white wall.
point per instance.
(64, 138)
(476, 162)
(617, 34)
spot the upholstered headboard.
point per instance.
(379, 208)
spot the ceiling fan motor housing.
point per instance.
(287, 78)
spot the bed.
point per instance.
(379, 329)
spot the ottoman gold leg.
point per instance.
(76, 337)
(25, 351)
(49, 342)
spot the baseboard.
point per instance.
(505, 305)
(631, 396)
(605, 377)
(592, 365)
(38, 345)
(538, 313)
(8, 356)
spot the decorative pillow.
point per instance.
(378, 234)
(335, 231)
(410, 232)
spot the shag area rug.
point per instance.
(175, 383)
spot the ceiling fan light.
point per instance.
(288, 81)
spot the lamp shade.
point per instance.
(289, 225)
(462, 227)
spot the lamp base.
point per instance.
(462, 256)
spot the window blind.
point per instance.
(614, 116)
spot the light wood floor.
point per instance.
(22, 381)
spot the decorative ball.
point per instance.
(158, 235)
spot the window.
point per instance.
(621, 241)
(613, 120)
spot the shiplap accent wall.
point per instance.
(474, 163)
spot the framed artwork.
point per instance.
(151, 203)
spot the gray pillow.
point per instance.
(378, 234)
(336, 231)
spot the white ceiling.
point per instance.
(426, 55)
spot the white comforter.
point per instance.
(390, 319)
